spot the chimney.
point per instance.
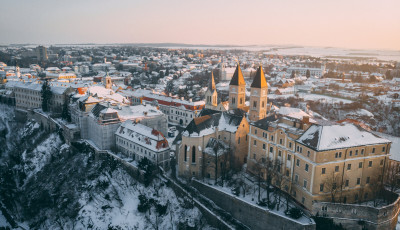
(306, 119)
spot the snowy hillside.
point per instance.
(46, 184)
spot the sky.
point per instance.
(356, 24)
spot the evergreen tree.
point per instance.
(65, 112)
(293, 74)
(308, 74)
(46, 96)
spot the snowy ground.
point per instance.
(3, 221)
(119, 208)
(251, 197)
(312, 97)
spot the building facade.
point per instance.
(139, 141)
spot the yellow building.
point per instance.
(317, 161)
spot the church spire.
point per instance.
(259, 80)
(237, 78)
(211, 83)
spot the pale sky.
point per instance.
(358, 24)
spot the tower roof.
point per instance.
(259, 80)
(237, 78)
(211, 83)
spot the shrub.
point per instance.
(295, 213)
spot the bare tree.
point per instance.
(392, 178)
(333, 184)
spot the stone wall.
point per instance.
(251, 215)
(354, 216)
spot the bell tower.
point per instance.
(258, 96)
(237, 90)
(211, 94)
(107, 81)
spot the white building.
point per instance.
(179, 111)
(319, 72)
(139, 141)
(28, 94)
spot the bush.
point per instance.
(295, 213)
(144, 204)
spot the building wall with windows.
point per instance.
(308, 174)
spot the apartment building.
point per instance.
(139, 141)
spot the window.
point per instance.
(344, 200)
(185, 153)
(194, 154)
(370, 164)
(358, 181)
(367, 181)
(351, 153)
(287, 172)
(373, 150)
(298, 162)
(346, 184)
(271, 149)
(305, 184)
(255, 104)
(323, 171)
(272, 138)
(356, 152)
(383, 149)
(280, 141)
(336, 155)
(340, 154)
(254, 156)
(362, 151)
(381, 162)
(296, 178)
(356, 197)
(308, 153)
(336, 168)
(349, 167)
(255, 142)
(279, 153)
(263, 146)
(303, 200)
(289, 157)
(360, 165)
(255, 131)
(321, 187)
(301, 149)
(290, 144)
(306, 168)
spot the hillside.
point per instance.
(46, 184)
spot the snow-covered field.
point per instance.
(312, 97)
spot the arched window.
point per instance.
(185, 153)
(193, 154)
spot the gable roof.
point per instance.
(205, 125)
(259, 80)
(237, 78)
(328, 137)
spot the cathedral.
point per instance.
(217, 140)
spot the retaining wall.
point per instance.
(251, 215)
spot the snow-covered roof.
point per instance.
(142, 135)
(321, 138)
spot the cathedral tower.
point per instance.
(237, 90)
(211, 94)
(258, 96)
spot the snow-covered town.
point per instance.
(189, 135)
